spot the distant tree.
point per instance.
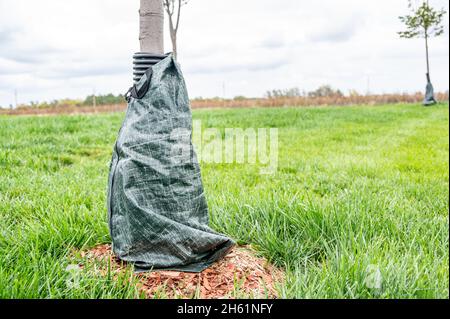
(325, 91)
(353, 93)
(106, 99)
(173, 9)
(292, 92)
(423, 22)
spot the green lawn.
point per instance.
(358, 190)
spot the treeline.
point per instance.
(111, 99)
(323, 95)
(90, 100)
(322, 91)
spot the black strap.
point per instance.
(139, 93)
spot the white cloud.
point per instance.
(53, 49)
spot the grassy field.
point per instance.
(359, 191)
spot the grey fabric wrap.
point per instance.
(429, 95)
(158, 215)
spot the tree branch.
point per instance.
(178, 16)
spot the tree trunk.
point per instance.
(173, 37)
(173, 24)
(174, 47)
(427, 57)
(151, 26)
(426, 48)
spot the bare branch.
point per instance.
(173, 9)
(167, 6)
(178, 16)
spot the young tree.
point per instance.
(151, 26)
(173, 9)
(423, 22)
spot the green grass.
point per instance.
(357, 188)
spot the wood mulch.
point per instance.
(239, 274)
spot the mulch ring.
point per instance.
(239, 274)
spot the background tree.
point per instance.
(325, 91)
(423, 22)
(173, 9)
(151, 26)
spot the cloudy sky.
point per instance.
(55, 49)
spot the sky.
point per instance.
(53, 49)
